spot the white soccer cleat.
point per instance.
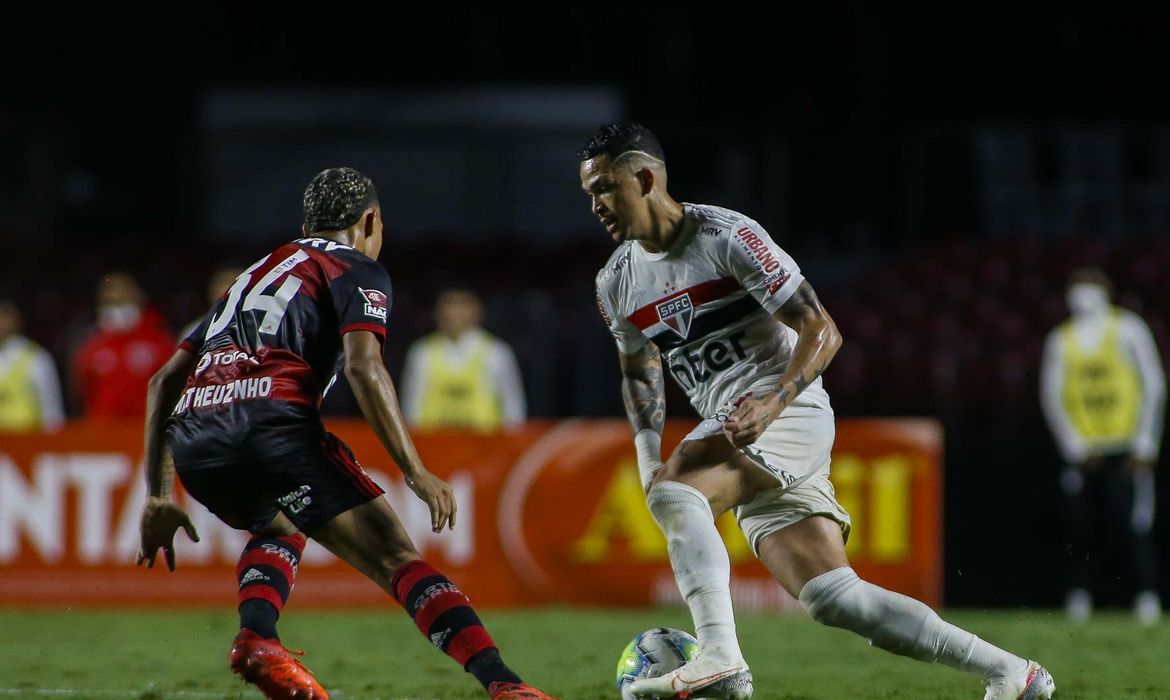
(1035, 684)
(701, 677)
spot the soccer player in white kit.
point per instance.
(706, 295)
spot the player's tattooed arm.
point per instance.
(643, 389)
(817, 342)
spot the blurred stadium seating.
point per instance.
(950, 328)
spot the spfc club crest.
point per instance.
(677, 313)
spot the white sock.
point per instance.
(701, 565)
(901, 625)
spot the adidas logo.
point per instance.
(439, 637)
(252, 575)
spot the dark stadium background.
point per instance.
(864, 140)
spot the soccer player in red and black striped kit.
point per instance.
(236, 407)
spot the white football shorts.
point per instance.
(795, 450)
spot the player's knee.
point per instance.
(387, 562)
(667, 498)
(838, 599)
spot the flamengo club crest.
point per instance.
(376, 303)
(677, 313)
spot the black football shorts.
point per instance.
(311, 487)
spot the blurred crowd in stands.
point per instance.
(946, 329)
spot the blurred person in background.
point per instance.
(217, 284)
(112, 366)
(30, 393)
(461, 376)
(1103, 392)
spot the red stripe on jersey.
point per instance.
(701, 293)
(332, 266)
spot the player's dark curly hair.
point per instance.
(336, 198)
(613, 140)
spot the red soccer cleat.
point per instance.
(515, 691)
(270, 667)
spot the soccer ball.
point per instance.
(652, 654)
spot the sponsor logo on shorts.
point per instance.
(758, 457)
(297, 500)
(377, 303)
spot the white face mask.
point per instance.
(118, 317)
(1087, 299)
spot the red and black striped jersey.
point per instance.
(270, 348)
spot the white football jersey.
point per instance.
(707, 303)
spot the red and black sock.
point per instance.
(445, 616)
(267, 571)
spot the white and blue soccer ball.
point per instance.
(653, 653)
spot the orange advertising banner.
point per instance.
(551, 513)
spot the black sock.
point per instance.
(488, 667)
(259, 616)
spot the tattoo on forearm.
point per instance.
(643, 389)
(814, 350)
(801, 382)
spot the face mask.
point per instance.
(1087, 299)
(118, 317)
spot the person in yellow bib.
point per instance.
(461, 376)
(1103, 392)
(30, 392)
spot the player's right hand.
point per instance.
(438, 496)
(161, 519)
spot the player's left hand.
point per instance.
(161, 519)
(438, 496)
(750, 419)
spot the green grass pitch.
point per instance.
(136, 655)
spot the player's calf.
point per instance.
(444, 615)
(905, 626)
(266, 572)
